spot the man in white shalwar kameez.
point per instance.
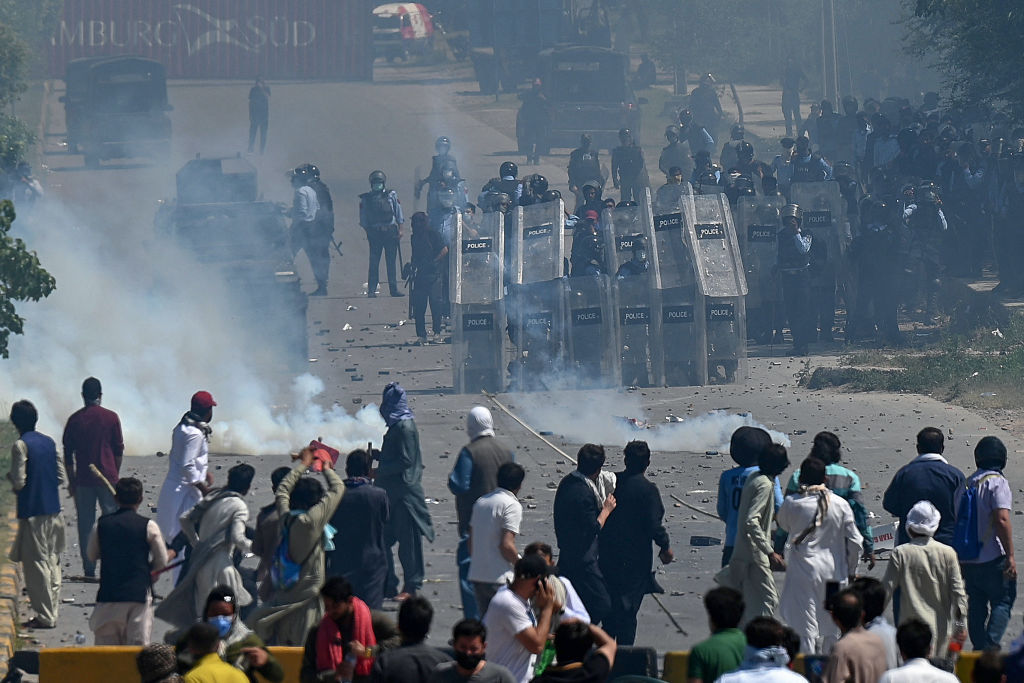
(215, 528)
(188, 477)
(824, 546)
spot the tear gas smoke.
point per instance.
(599, 417)
(155, 326)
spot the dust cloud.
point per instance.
(599, 417)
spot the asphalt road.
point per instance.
(348, 130)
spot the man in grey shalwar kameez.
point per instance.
(305, 510)
(400, 474)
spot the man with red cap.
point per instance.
(188, 477)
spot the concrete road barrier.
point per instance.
(105, 664)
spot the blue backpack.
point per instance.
(284, 571)
(966, 539)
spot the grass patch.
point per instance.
(984, 366)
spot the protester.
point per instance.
(128, 547)
(305, 509)
(824, 545)
(400, 474)
(216, 529)
(342, 646)
(157, 664)
(624, 543)
(203, 641)
(360, 552)
(92, 436)
(240, 647)
(493, 527)
(873, 596)
(469, 642)
(990, 579)
(750, 568)
(745, 447)
(266, 535)
(723, 651)
(928, 575)
(579, 516)
(474, 474)
(927, 477)
(413, 661)
(765, 659)
(859, 656)
(915, 641)
(188, 476)
(36, 475)
(516, 636)
(565, 594)
(584, 653)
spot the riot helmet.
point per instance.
(707, 79)
(538, 185)
(507, 169)
(639, 248)
(551, 195)
(737, 132)
(685, 117)
(501, 202)
(744, 151)
(446, 197)
(442, 145)
(300, 175)
(448, 176)
(378, 181)
(313, 171)
(792, 211)
(672, 133)
(625, 136)
(744, 186)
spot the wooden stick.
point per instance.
(693, 507)
(99, 475)
(669, 615)
(528, 428)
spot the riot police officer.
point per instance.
(705, 105)
(638, 265)
(380, 215)
(727, 159)
(303, 213)
(926, 224)
(674, 153)
(319, 239)
(587, 256)
(534, 187)
(584, 166)
(808, 167)
(876, 253)
(506, 183)
(440, 162)
(628, 173)
(793, 267)
(696, 135)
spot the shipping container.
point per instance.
(278, 39)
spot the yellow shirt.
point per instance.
(212, 669)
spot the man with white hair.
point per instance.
(475, 474)
(928, 575)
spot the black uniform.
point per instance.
(876, 253)
(317, 242)
(259, 115)
(628, 171)
(380, 217)
(427, 245)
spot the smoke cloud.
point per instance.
(138, 312)
(602, 417)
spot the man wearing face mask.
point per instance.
(239, 646)
(469, 641)
(380, 215)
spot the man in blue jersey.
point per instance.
(746, 445)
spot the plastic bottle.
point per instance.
(545, 658)
(350, 659)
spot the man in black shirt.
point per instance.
(259, 113)
(413, 661)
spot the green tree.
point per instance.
(22, 278)
(976, 45)
(32, 20)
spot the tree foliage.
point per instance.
(22, 277)
(33, 20)
(976, 45)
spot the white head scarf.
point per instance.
(479, 423)
(923, 519)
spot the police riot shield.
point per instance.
(639, 330)
(537, 244)
(593, 356)
(627, 231)
(757, 227)
(721, 280)
(478, 341)
(670, 252)
(537, 325)
(823, 210)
